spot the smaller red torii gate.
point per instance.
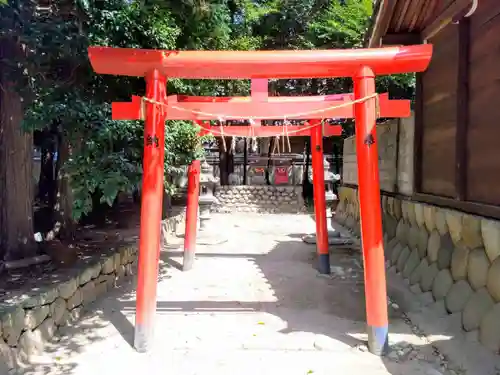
(362, 65)
(200, 109)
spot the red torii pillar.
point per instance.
(361, 64)
(319, 198)
(193, 193)
(151, 210)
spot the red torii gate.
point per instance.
(361, 64)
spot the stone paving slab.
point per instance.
(253, 305)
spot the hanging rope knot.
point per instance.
(162, 105)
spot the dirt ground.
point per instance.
(252, 305)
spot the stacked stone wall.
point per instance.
(259, 198)
(27, 325)
(395, 140)
(30, 318)
(446, 256)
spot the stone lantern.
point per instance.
(207, 198)
(207, 235)
(334, 236)
(330, 196)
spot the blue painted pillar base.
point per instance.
(324, 264)
(142, 337)
(378, 340)
(187, 260)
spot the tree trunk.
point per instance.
(64, 204)
(16, 176)
(308, 160)
(230, 162)
(223, 162)
(307, 186)
(167, 205)
(272, 143)
(46, 185)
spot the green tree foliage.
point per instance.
(59, 86)
(106, 157)
(340, 25)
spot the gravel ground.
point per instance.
(251, 305)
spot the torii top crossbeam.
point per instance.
(259, 64)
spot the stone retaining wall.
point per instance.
(264, 199)
(446, 256)
(395, 140)
(31, 318)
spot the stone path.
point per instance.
(253, 305)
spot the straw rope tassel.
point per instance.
(288, 141)
(283, 137)
(222, 136)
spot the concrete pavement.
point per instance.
(253, 305)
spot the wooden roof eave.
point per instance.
(419, 30)
(382, 16)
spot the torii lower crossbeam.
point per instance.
(270, 131)
(305, 108)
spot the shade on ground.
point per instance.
(253, 305)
